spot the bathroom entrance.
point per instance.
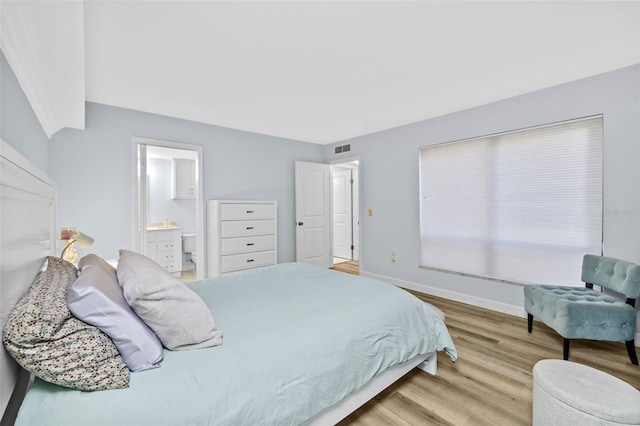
(169, 217)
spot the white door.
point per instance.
(342, 217)
(313, 213)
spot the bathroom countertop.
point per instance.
(161, 226)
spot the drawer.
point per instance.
(245, 228)
(169, 245)
(168, 256)
(237, 262)
(171, 265)
(246, 211)
(247, 244)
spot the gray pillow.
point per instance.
(43, 336)
(178, 316)
(96, 298)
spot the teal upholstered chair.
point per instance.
(584, 313)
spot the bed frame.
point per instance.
(28, 200)
(27, 236)
(342, 409)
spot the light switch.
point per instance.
(370, 212)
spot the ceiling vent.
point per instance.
(342, 149)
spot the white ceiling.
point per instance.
(322, 71)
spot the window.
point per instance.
(521, 206)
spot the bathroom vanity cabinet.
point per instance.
(164, 245)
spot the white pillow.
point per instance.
(97, 299)
(178, 316)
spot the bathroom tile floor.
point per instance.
(187, 276)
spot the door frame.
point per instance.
(356, 206)
(139, 183)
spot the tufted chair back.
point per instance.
(614, 274)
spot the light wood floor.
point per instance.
(491, 383)
(350, 267)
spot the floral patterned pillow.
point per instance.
(43, 336)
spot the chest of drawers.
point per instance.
(240, 235)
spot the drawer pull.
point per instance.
(249, 260)
(249, 211)
(249, 227)
(250, 244)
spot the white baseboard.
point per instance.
(451, 295)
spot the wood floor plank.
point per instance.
(350, 267)
(433, 399)
(492, 382)
(413, 412)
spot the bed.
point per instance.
(302, 345)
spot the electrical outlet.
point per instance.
(393, 257)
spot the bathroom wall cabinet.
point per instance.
(240, 235)
(184, 179)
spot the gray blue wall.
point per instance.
(389, 177)
(94, 171)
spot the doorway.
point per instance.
(315, 208)
(345, 215)
(169, 206)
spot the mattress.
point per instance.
(297, 339)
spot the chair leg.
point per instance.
(565, 348)
(631, 349)
(529, 322)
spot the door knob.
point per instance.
(300, 223)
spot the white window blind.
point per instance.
(521, 206)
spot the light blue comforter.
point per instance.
(297, 339)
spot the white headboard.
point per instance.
(27, 236)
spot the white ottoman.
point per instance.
(567, 393)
